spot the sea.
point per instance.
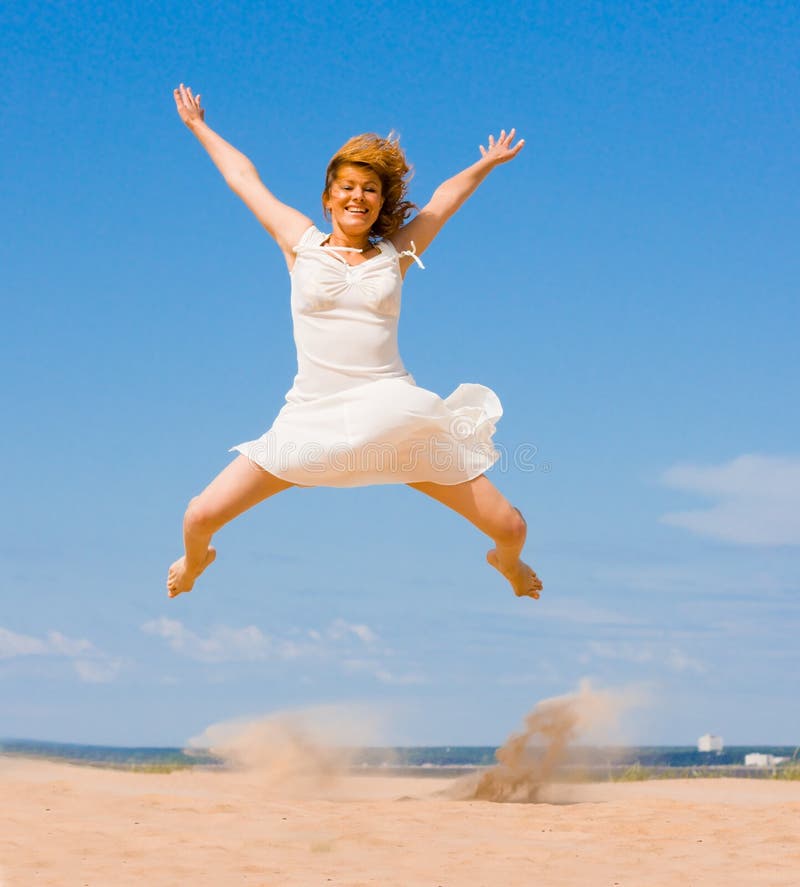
(609, 762)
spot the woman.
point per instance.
(354, 415)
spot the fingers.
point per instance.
(502, 148)
(181, 99)
(504, 139)
(188, 104)
(186, 98)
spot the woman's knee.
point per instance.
(200, 518)
(513, 528)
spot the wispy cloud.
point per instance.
(677, 660)
(638, 653)
(758, 499)
(339, 628)
(353, 647)
(102, 670)
(92, 665)
(380, 672)
(223, 643)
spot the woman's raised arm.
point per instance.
(283, 222)
(452, 194)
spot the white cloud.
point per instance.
(91, 665)
(377, 670)
(339, 629)
(643, 654)
(222, 644)
(97, 671)
(399, 680)
(758, 499)
(250, 644)
(677, 660)
(13, 645)
(70, 647)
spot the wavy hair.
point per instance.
(386, 159)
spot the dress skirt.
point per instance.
(388, 431)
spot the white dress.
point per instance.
(354, 415)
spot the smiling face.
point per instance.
(354, 199)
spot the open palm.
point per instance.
(502, 150)
(188, 105)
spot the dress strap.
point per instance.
(315, 239)
(342, 249)
(412, 254)
(312, 237)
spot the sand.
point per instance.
(66, 825)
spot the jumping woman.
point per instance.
(354, 415)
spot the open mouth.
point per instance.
(358, 212)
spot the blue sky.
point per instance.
(628, 286)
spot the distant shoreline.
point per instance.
(595, 764)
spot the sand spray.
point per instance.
(306, 752)
(528, 760)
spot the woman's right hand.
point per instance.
(188, 105)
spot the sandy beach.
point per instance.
(67, 825)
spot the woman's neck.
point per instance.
(352, 241)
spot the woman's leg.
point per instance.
(239, 486)
(481, 503)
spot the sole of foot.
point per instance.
(523, 579)
(179, 580)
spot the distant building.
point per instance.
(709, 742)
(756, 759)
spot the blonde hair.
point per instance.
(386, 159)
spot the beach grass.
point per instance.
(791, 771)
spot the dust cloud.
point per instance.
(299, 752)
(308, 752)
(527, 761)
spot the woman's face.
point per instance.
(354, 199)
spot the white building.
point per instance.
(709, 742)
(756, 759)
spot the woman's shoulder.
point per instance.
(387, 246)
(312, 236)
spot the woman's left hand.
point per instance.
(502, 150)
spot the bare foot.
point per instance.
(522, 578)
(179, 579)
